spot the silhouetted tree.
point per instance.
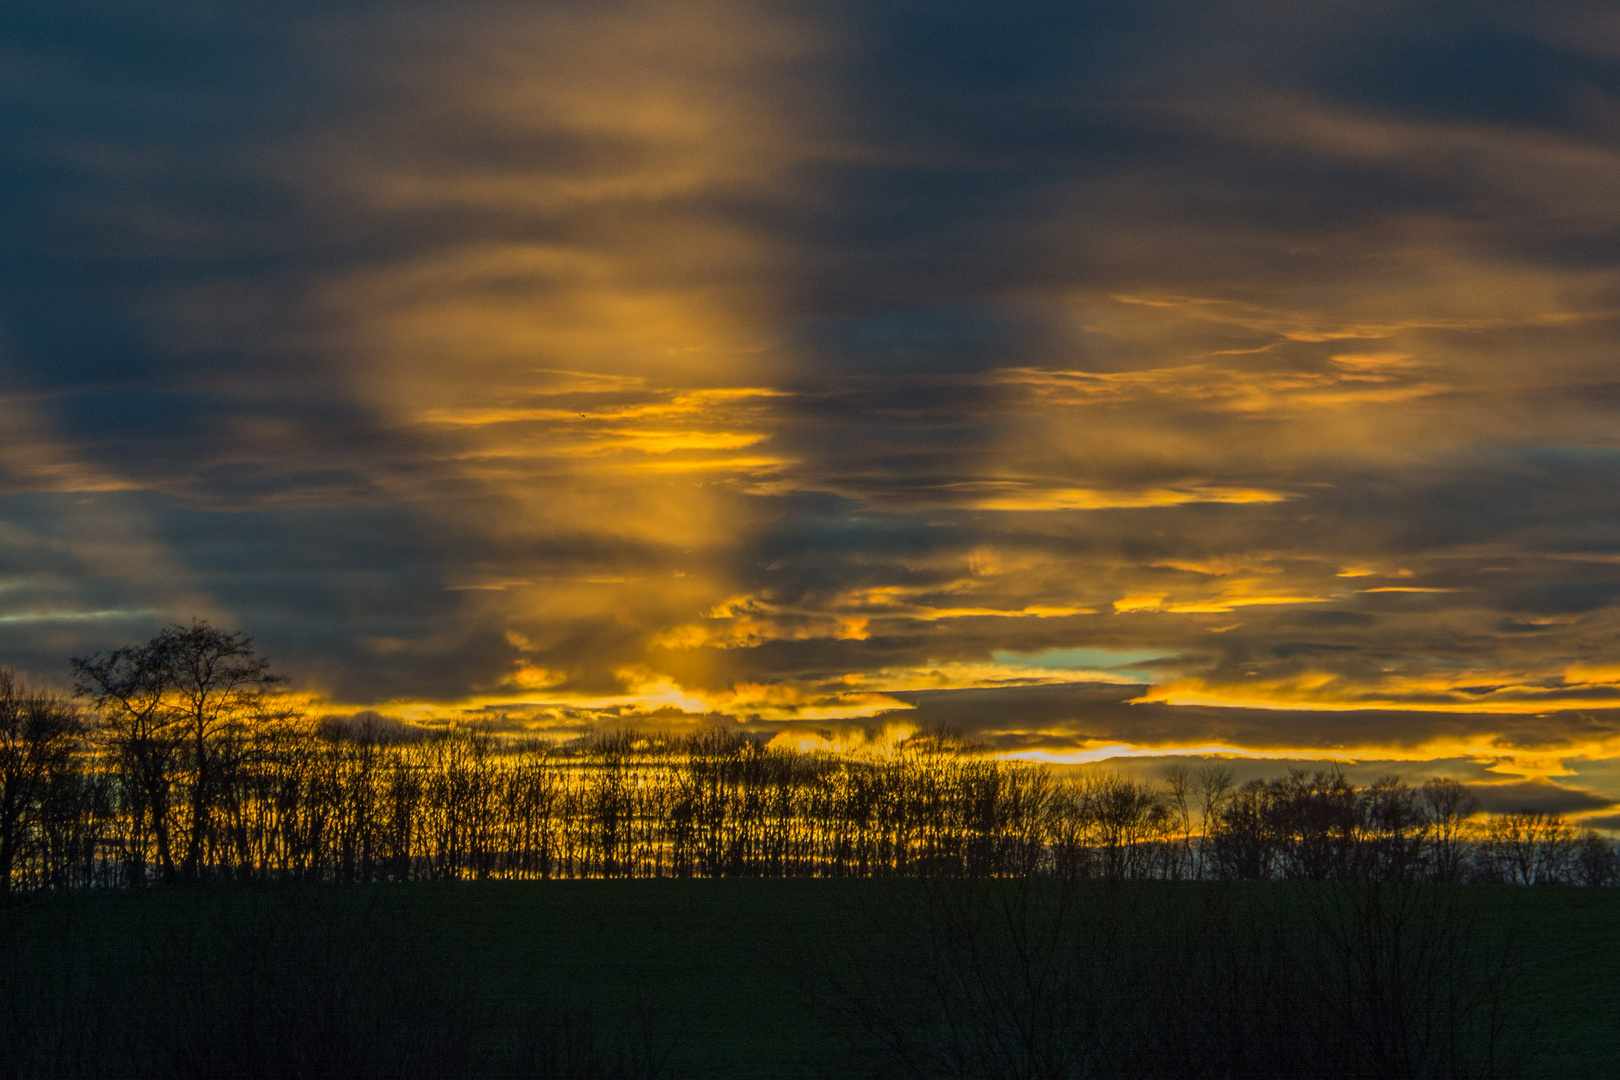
(39, 737)
(1214, 786)
(1448, 806)
(1595, 862)
(177, 708)
(1527, 847)
(128, 688)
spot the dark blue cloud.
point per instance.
(1272, 342)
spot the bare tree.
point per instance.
(39, 734)
(1448, 805)
(127, 688)
(1528, 847)
(1214, 785)
(219, 687)
(178, 703)
(1595, 862)
(1178, 786)
(1243, 837)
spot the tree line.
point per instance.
(178, 761)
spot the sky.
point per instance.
(1102, 381)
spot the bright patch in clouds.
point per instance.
(1110, 664)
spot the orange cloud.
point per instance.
(1019, 496)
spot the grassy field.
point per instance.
(730, 978)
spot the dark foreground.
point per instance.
(812, 978)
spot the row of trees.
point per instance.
(1318, 826)
(187, 767)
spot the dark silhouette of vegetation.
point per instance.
(183, 710)
(1063, 927)
(290, 983)
(189, 767)
(1059, 979)
(40, 737)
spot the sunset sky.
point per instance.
(1102, 380)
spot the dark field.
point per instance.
(701, 978)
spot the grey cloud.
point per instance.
(253, 256)
(1054, 718)
(1610, 822)
(1541, 796)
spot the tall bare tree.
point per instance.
(176, 708)
(39, 734)
(218, 688)
(1214, 786)
(1448, 805)
(127, 688)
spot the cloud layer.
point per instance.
(834, 364)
